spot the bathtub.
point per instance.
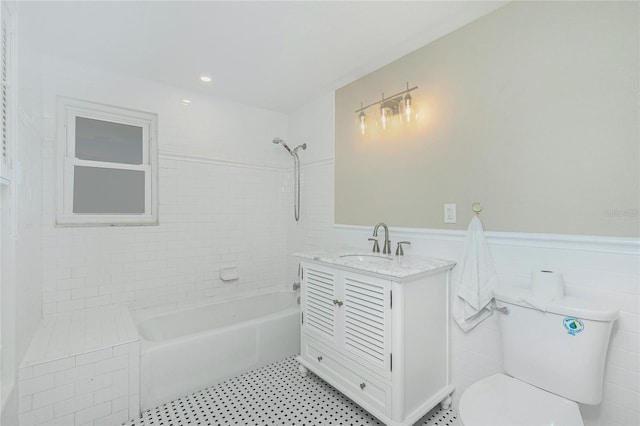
(189, 350)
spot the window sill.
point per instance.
(66, 221)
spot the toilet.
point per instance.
(553, 358)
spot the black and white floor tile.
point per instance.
(273, 395)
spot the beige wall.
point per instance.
(531, 110)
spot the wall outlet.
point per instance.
(449, 213)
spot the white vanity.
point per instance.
(376, 328)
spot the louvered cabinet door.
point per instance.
(319, 293)
(367, 321)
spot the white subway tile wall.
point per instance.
(222, 202)
(98, 387)
(211, 216)
(81, 368)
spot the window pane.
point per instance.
(98, 140)
(108, 191)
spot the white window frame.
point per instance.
(68, 110)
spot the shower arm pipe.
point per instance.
(388, 98)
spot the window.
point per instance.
(107, 165)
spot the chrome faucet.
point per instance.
(387, 244)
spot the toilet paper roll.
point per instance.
(547, 285)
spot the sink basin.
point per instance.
(365, 257)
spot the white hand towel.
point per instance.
(476, 279)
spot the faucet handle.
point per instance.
(399, 250)
(376, 247)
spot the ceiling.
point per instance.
(274, 55)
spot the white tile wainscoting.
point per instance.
(81, 369)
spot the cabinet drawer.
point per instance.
(370, 393)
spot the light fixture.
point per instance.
(383, 113)
(407, 104)
(185, 102)
(363, 120)
(400, 103)
(205, 78)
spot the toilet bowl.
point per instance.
(501, 400)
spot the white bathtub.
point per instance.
(189, 350)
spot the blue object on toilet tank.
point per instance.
(573, 325)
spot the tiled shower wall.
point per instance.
(598, 269)
(222, 195)
(208, 221)
(21, 236)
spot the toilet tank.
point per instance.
(559, 346)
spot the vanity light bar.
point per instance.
(388, 98)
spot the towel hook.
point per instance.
(477, 208)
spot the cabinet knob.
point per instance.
(319, 358)
(337, 302)
(362, 385)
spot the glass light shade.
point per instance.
(407, 106)
(383, 117)
(363, 122)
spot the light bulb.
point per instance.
(363, 122)
(407, 106)
(383, 117)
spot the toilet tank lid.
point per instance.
(568, 305)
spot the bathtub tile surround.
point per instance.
(81, 370)
(276, 395)
(212, 175)
(208, 220)
(175, 264)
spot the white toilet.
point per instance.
(553, 360)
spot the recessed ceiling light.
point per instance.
(186, 102)
(205, 78)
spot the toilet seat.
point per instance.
(501, 400)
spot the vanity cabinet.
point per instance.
(381, 340)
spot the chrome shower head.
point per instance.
(281, 142)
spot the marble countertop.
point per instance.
(388, 265)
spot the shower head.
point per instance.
(281, 142)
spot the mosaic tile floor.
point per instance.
(273, 395)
